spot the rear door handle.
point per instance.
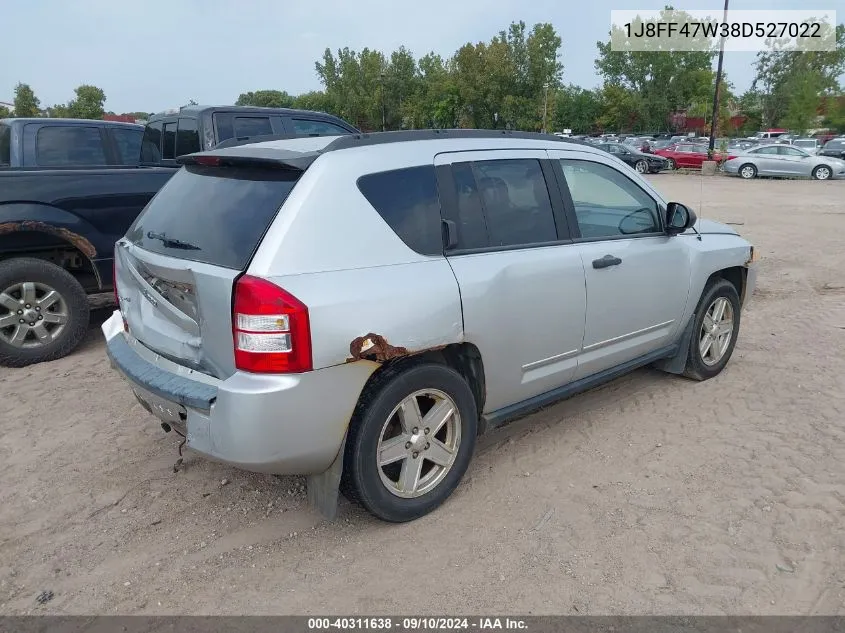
(607, 260)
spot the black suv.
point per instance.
(195, 128)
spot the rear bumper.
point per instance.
(279, 424)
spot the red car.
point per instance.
(688, 155)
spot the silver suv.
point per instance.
(358, 309)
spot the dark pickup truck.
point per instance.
(58, 226)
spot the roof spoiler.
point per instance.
(251, 157)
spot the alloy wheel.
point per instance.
(716, 331)
(32, 314)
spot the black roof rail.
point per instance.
(379, 138)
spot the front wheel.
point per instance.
(671, 165)
(715, 330)
(641, 166)
(822, 172)
(410, 442)
(43, 312)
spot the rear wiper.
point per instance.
(169, 242)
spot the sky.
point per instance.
(157, 54)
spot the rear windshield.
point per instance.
(5, 145)
(213, 215)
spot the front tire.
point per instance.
(822, 172)
(715, 330)
(671, 165)
(410, 441)
(43, 312)
(747, 171)
(641, 166)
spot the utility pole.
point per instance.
(383, 117)
(715, 116)
(545, 105)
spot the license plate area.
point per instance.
(163, 409)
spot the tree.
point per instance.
(577, 109)
(266, 99)
(316, 100)
(835, 112)
(663, 80)
(89, 103)
(5, 112)
(620, 108)
(26, 103)
(804, 101)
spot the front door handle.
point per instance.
(607, 260)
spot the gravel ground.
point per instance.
(652, 494)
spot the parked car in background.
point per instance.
(809, 145)
(643, 162)
(640, 143)
(496, 228)
(57, 143)
(784, 160)
(688, 155)
(834, 148)
(189, 129)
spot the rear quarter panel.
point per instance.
(335, 253)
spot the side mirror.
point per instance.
(678, 218)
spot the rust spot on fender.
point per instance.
(374, 347)
(86, 247)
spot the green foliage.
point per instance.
(835, 112)
(89, 103)
(577, 109)
(266, 99)
(26, 103)
(660, 81)
(5, 112)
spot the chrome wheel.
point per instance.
(418, 443)
(32, 314)
(641, 166)
(748, 171)
(671, 164)
(716, 331)
(823, 172)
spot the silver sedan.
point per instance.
(786, 161)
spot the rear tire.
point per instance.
(387, 467)
(715, 330)
(671, 165)
(54, 323)
(822, 172)
(747, 171)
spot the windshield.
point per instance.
(215, 215)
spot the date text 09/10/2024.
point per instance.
(416, 624)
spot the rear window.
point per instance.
(5, 145)
(407, 200)
(168, 148)
(187, 137)
(230, 126)
(151, 143)
(72, 145)
(213, 215)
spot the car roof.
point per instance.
(197, 110)
(11, 120)
(300, 152)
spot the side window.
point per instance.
(790, 151)
(771, 149)
(407, 200)
(5, 145)
(151, 143)
(252, 126)
(516, 202)
(305, 128)
(187, 137)
(607, 203)
(472, 227)
(128, 143)
(73, 145)
(169, 145)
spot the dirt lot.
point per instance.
(653, 494)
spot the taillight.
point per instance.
(271, 330)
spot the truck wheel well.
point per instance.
(54, 250)
(735, 275)
(464, 358)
